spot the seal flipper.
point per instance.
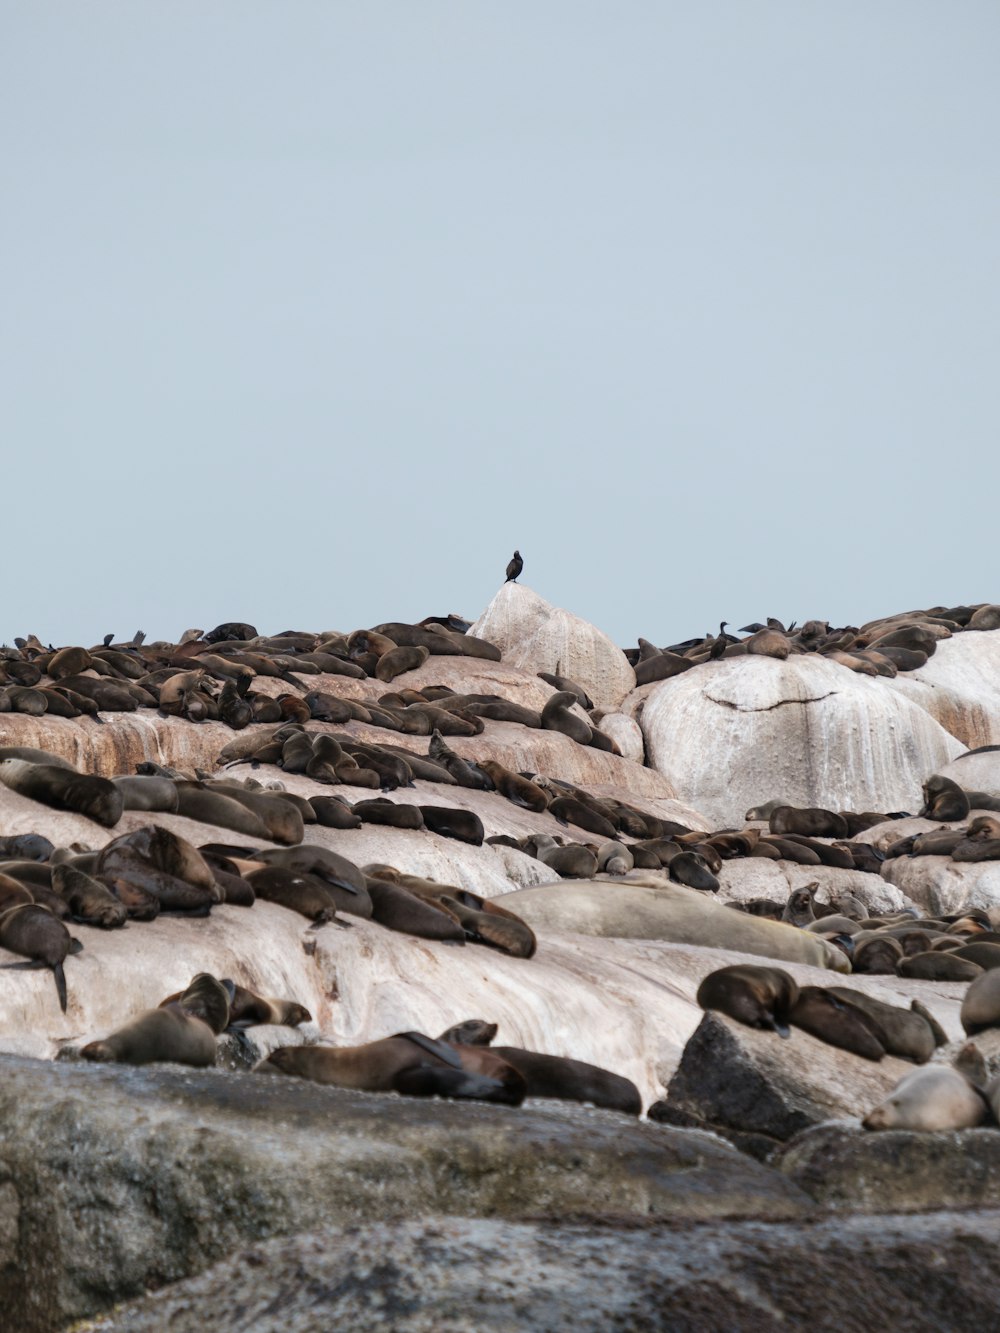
(438, 1048)
(432, 1081)
(60, 976)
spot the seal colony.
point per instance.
(343, 732)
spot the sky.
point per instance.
(312, 312)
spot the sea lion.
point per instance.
(798, 910)
(68, 662)
(938, 966)
(88, 900)
(565, 685)
(36, 933)
(905, 1033)
(471, 1032)
(249, 1010)
(825, 1014)
(147, 793)
(466, 774)
(614, 858)
(985, 955)
(453, 823)
(944, 800)
(764, 812)
(381, 810)
(26, 847)
(691, 869)
(397, 661)
(344, 881)
(299, 892)
(331, 812)
(519, 791)
(182, 1032)
(208, 805)
(932, 1098)
(397, 909)
(814, 823)
(152, 861)
(557, 717)
(278, 811)
(759, 997)
(650, 907)
(408, 1063)
(563, 1079)
(574, 861)
(981, 1005)
(64, 789)
(569, 810)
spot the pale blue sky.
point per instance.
(312, 312)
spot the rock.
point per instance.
(533, 634)
(745, 878)
(975, 772)
(733, 733)
(127, 1179)
(899, 1171)
(941, 886)
(442, 1275)
(960, 687)
(758, 1089)
(627, 735)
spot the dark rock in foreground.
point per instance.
(443, 1275)
(114, 1181)
(847, 1168)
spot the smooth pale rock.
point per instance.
(441, 1275)
(849, 1169)
(746, 878)
(960, 686)
(976, 772)
(627, 735)
(130, 1178)
(758, 1089)
(534, 634)
(883, 836)
(642, 907)
(942, 886)
(730, 734)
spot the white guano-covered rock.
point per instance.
(942, 886)
(533, 634)
(960, 686)
(735, 733)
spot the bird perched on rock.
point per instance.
(515, 567)
(719, 646)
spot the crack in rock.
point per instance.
(726, 703)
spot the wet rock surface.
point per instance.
(113, 1180)
(446, 1275)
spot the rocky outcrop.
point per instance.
(741, 880)
(449, 1274)
(942, 886)
(808, 731)
(960, 687)
(759, 1090)
(113, 1181)
(533, 634)
(903, 1171)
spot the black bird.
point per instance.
(719, 646)
(752, 629)
(515, 567)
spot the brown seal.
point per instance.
(981, 1005)
(463, 825)
(89, 901)
(409, 1063)
(816, 823)
(393, 814)
(396, 908)
(825, 1014)
(64, 789)
(519, 791)
(934, 1097)
(938, 966)
(760, 997)
(397, 661)
(147, 793)
(182, 1032)
(557, 717)
(944, 800)
(37, 934)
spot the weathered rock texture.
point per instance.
(960, 687)
(808, 731)
(113, 1181)
(533, 634)
(451, 1275)
(852, 1170)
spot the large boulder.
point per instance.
(745, 878)
(116, 1180)
(899, 1171)
(976, 772)
(942, 886)
(758, 1089)
(734, 733)
(449, 1274)
(534, 634)
(960, 686)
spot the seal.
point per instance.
(798, 910)
(197, 801)
(938, 966)
(932, 1098)
(464, 825)
(380, 810)
(299, 892)
(152, 862)
(397, 661)
(64, 789)
(37, 934)
(89, 901)
(824, 1014)
(573, 861)
(278, 811)
(332, 812)
(147, 793)
(395, 908)
(466, 774)
(815, 823)
(409, 1063)
(759, 997)
(519, 791)
(182, 1032)
(342, 878)
(248, 1010)
(905, 1033)
(647, 907)
(944, 800)
(981, 1005)
(557, 717)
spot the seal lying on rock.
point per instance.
(760, 997)
(183, 1032)
(934, 1097)
(409, 1063)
